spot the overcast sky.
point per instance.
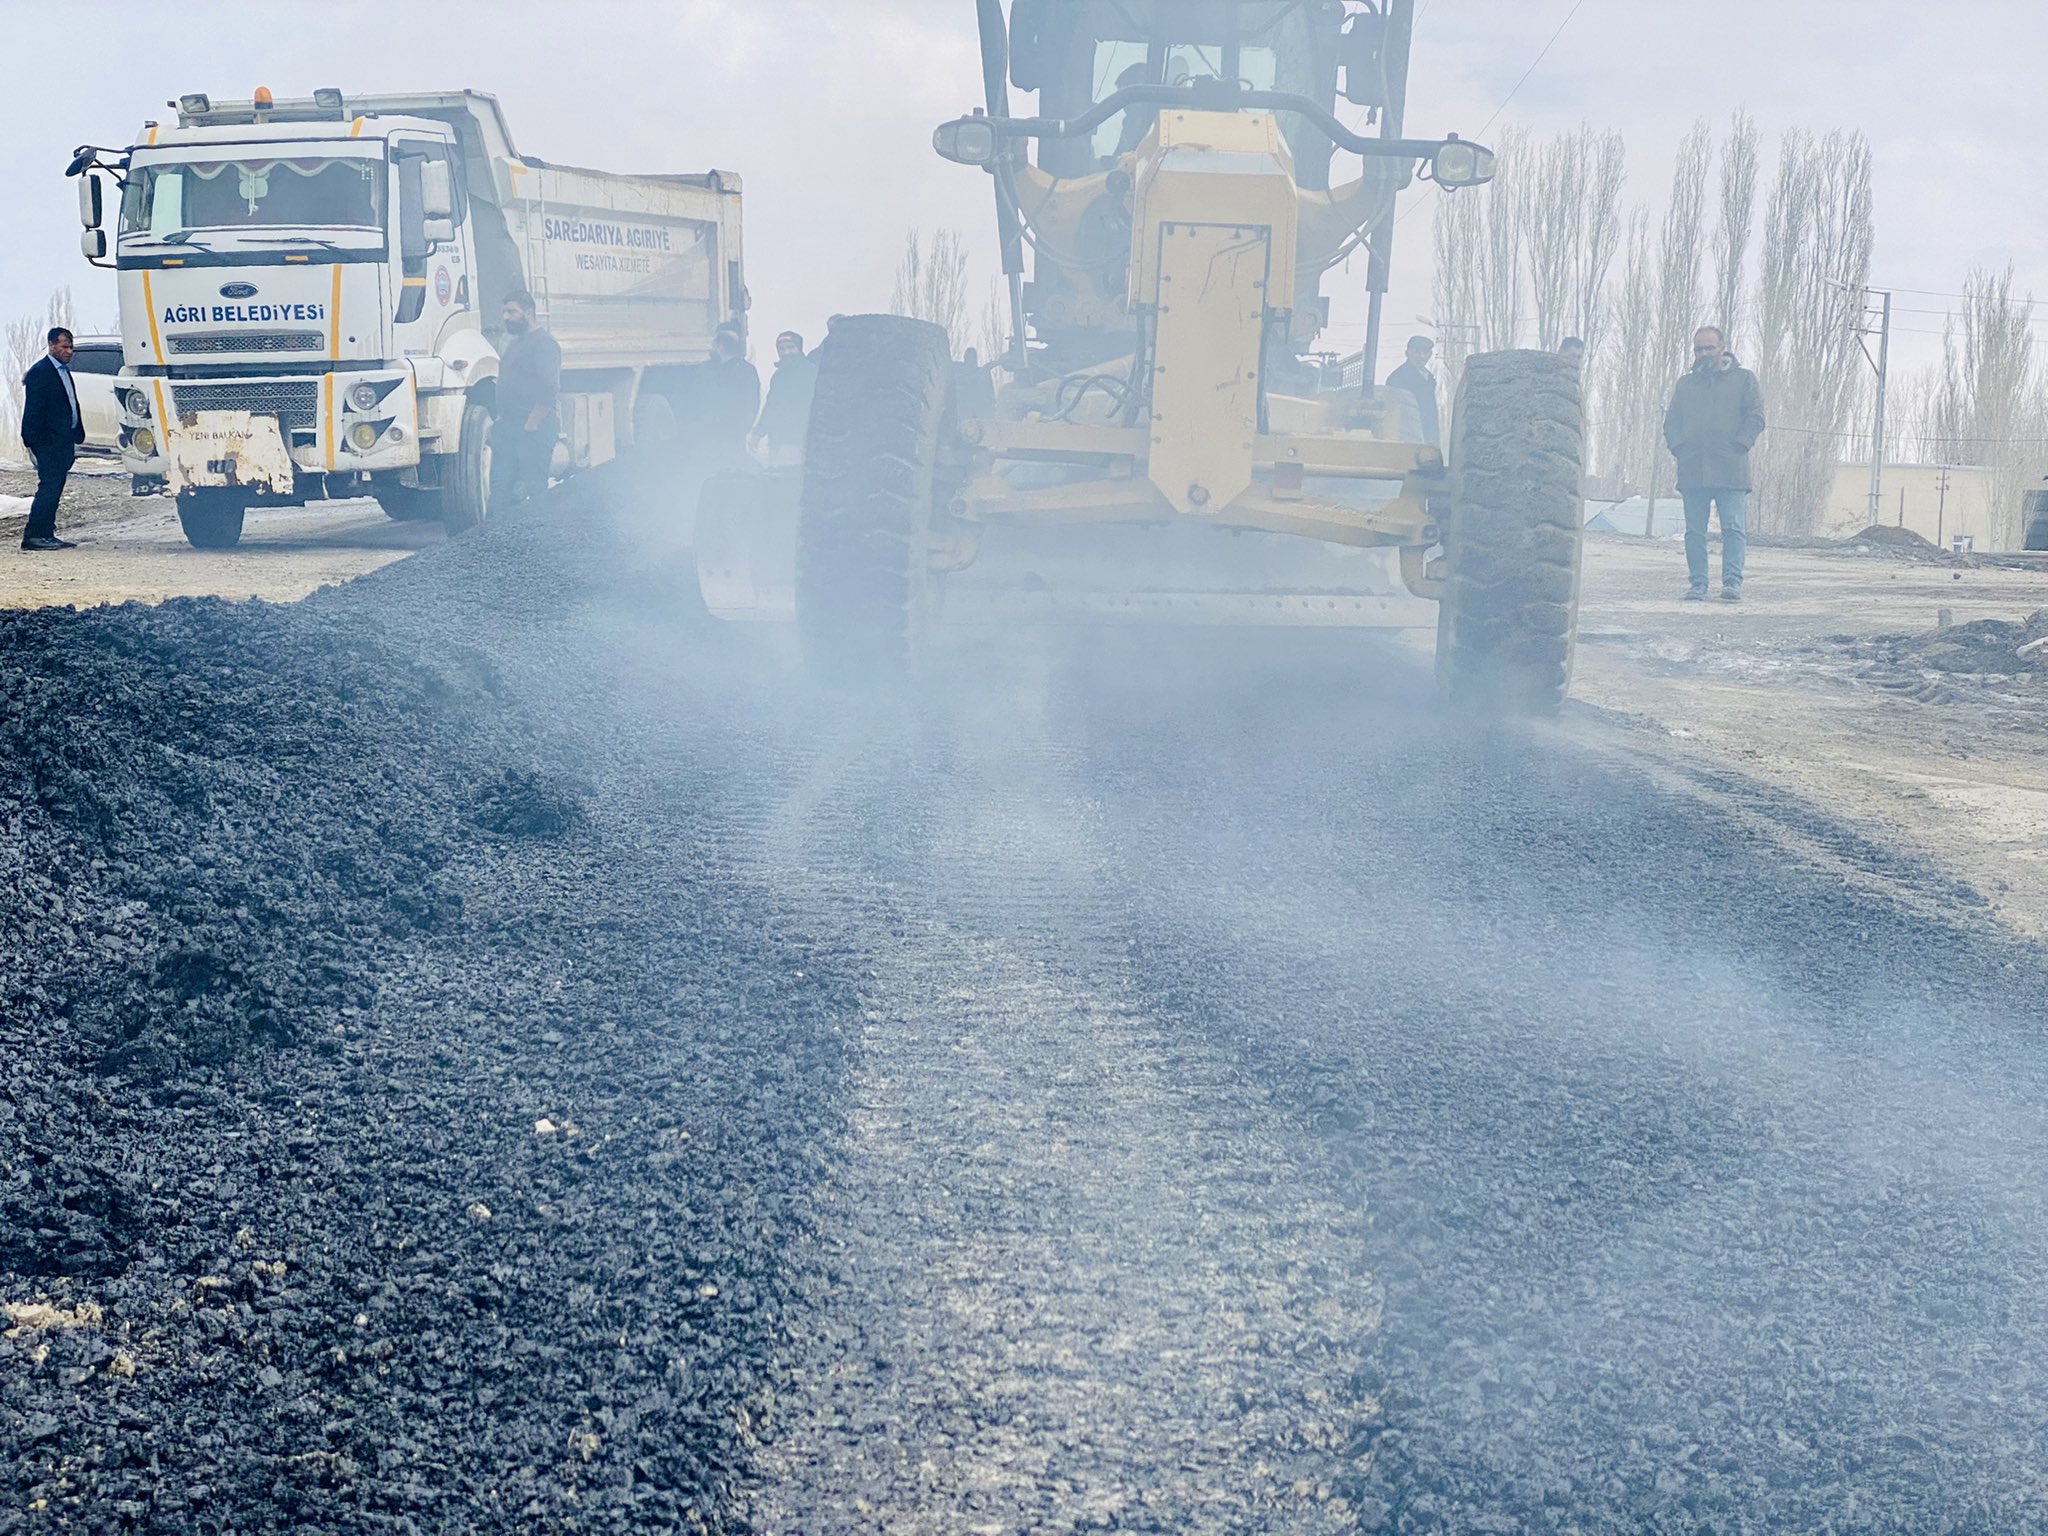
(825, 108)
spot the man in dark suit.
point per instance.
(51, 429)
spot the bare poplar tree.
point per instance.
(1606, 171)
(1738, 221)
(1990, 399)
(931, 282)
(1554, 203)
(1460, 231)
(1503, 210)
(1677, 286)
(1914, 417)
(1571, 229)
(1678, 252)
(26, 341)
(1631, 384)
(1819, 227)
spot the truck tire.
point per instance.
(466, 478)
(408, 504)
(1508, 622)
(212, 519)
(870, 484)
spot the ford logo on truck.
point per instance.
(238, 290)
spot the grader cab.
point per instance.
(1166, 444)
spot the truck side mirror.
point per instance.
(437, 190)
(90, 212)
(437, 231)
(93, 242)
(1363, 57)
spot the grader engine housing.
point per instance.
(1212, 261)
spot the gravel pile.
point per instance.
(404, 1100)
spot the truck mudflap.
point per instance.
(220, 450)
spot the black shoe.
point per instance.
(1731, 594)
(1695, 594)
(39, 546)
(62, 543)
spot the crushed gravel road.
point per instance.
(484, 1049)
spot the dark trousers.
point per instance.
(53, 467)
(520, 460)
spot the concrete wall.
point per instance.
(1913, 493)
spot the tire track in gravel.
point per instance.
(1079, 1275)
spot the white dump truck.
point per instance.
(310, 294)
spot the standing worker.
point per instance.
(1716, 416)
(527, 425)
(731, 400)
(974, 390)
(786, 419)
(51, 430)
(1415, 377)
(1573, 350)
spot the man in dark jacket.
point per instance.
(51, 429)
(729, 402)
(1716, 416)
(786, 418)
(524, 434)
(1415, 377)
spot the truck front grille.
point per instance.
(294, 402)
(214, 342)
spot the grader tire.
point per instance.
(864, 520)
(1508, 623)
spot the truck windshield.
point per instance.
(254, 194)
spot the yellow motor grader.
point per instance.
(1168, 444)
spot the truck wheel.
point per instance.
(407, 504)
(1508, 622)
(870, 482)
(466, 478)
(212, 519)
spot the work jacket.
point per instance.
(786, 417)
(1716, 416)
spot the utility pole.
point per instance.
(1874, 318)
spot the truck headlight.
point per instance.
(143, 441)
(363, 436)
(364, 396)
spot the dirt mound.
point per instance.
(1901, 544)
(1983, 647)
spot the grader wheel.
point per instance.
(864, 524)
(1508, 622)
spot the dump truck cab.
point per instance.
(288, 287)
(311, 293)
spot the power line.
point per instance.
(1568, 15)
(1418, 204)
